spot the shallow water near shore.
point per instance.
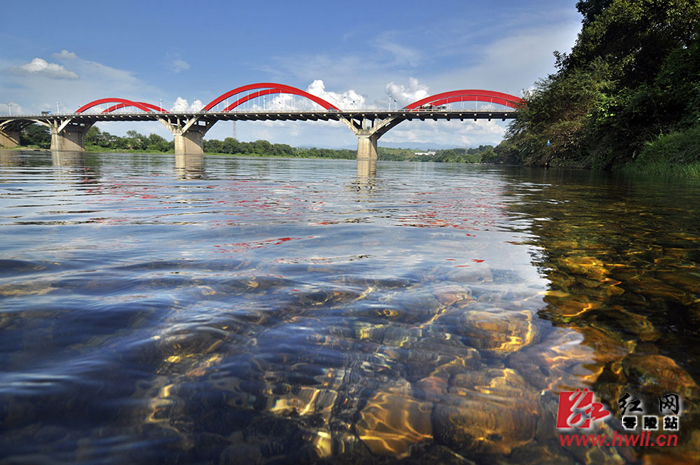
(156, 309)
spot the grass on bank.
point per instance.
(676, 154)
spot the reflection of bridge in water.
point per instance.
(68, 130)
(187, 166)
(190, 166)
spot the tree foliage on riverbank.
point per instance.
(471, 155)
(35, 135)
(263, 148)
(633, 76)
(97, 140)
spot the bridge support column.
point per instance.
(188, 133)
(368, 132)
(9, 138)
(190, 143)
(68, 136)
(367, 146)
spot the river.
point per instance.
(251, 310)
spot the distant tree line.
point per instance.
(480, 154)
(102, 140)
(264, 148)
(98, 140)
(39, 136)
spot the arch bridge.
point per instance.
(189, 127)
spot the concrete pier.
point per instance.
(190, 143)
(68, 136)
(189, 133)
(367, 146)
(368, 131)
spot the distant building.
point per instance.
(423, 153)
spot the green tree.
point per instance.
(632, 75)
(93, 136)
(136, 141)
(157, 143)
(36, 135)
(231, 145)
(213, 146)
(591, 9)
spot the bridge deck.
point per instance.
(276, 115)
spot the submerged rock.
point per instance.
(393, 421)
(494, 331)
(560, 362)
(659, 375)
(486, 412)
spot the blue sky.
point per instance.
(72, 52)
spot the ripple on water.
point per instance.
(260, 311)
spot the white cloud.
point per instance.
(447, 133)
(40, 67)
(65, 55)
(176, 63)
(402, 55)
(196, 105)
(11, 107)
(349, 100)
(69, 89)
(513, 62)
(405, 95)
(182, 106)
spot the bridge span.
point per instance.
(188, 128)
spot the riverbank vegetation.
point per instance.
(37, 136)
(627, 96)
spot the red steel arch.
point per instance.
(468, 95)
(124, 105)
(242, 100)
(266, 88)
(87, 106)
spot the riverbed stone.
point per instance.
(394, 420)
(495, 331)
(490, 411)
(560, 362)
(658, 375)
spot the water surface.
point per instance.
(230, 310)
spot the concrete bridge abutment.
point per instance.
(9, 138)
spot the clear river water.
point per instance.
(162, 309)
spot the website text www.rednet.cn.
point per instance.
(642, 440)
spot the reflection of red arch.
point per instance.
(132, 104)
(267, 88)
(468, 95)
(87, 106)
